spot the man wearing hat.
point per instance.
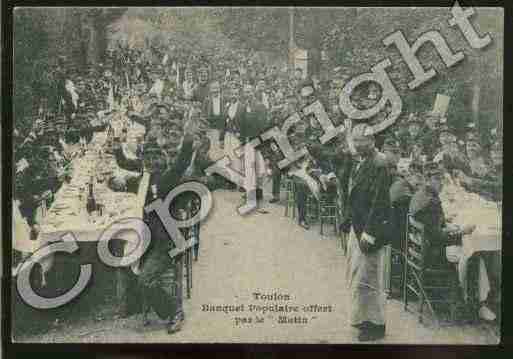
(333, 108)
(189, 85)
(272, 153)
(366, 221)
(306, 92)
(252, 123)
(426, 208)
(262, 94)
(449, 156)
(254, 119)
(159, 273)
(202, 89)
(124, 158)
(392, 151)
(479, 164)
(158, 86)
(298, 77)
(429, 134)
(484, 175)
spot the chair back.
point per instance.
(415, 248)
(193, 206)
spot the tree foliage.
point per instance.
(41, 36)
(352, 38)
(357, 45)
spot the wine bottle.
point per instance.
(91, 201)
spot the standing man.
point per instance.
(277, 119)
(366, 221)
(189, 85)
(401, 192)
(254, 119)
(160, 273)
(429, 134)
(449, 154)
(202, 90)
(230, 136)
(262, 94)
(213, 109)
(297, 79)
(253, 122)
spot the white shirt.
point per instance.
(157, 88)
(216, 103)
(265, 100)
(70, 87)
(188, 88)
(232, 110)
(190, 170)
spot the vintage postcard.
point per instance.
(257, 175)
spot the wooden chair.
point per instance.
(312, 209)
(396, 272)
(190, 234)
(397, 258)
(329, 211)
(188, 268)
(431, 285)
(344, 237)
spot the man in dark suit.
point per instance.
(262, 93)
(252, 123)
(230, 135)
(232, 112)
(367, 214)
(213, 108)
(277, 117)
(254, 119)
(401, 192)
(426, 207)
(161, 276)
(202, 90)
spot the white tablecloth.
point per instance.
(471, 246)
(471, 209)
(68, 212)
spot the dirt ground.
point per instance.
(263, 253)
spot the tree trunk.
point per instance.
(292, 44)
(101, 46)
(95, 37)
(314, 44)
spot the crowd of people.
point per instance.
(191, 104)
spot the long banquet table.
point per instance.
(68, 212)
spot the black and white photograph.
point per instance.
(257, 175)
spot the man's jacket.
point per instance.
(367, 206)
